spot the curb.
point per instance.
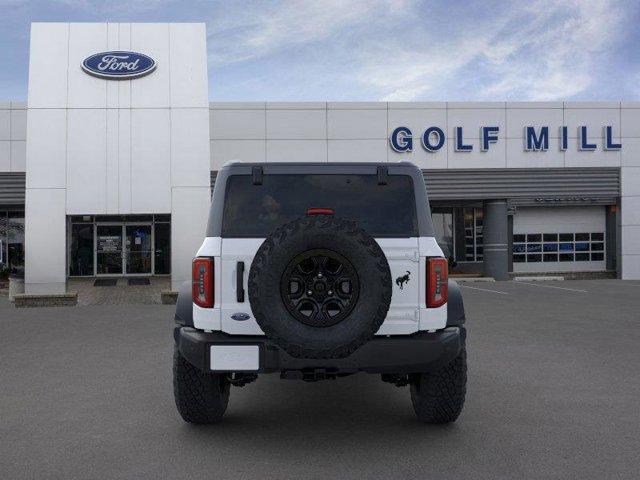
(538, 279)
(475, 279)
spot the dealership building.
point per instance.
(107, 168)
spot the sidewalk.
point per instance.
(121, 293)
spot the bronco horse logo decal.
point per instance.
(400, 281)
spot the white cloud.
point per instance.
(403, 49)
(105, 7)
(407, 50)
(416, 74)
(257, 30)
(569, 50)
(546, 51)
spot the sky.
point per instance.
(377, 50)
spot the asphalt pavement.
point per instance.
(554, 392)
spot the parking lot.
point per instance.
(553, 392)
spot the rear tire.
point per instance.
(201, 398)
(438, 397)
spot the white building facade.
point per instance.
(118, 171)
(99, 147)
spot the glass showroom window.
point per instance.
(11, 242)
(120, 245)
(81, 250)
(558, 247)
(444, 228)
(4, 265)
(162, 250)
(473, 239)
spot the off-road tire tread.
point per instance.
(438, 397)
(201, 398)
(344, 227)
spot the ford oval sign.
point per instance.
(118, 65)
(241, 316)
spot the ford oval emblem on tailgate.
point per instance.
(241, 317)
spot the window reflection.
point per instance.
(11, 242)
(572, 247)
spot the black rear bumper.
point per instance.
(400, 354)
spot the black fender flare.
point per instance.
(184, 306)
(455, 305)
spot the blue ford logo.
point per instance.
(241, 317)
(118, 65)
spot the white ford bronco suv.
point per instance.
(318, 271)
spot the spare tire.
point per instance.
(320, 287)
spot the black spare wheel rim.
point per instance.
(319, 287)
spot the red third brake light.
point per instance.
(437, 282)
(202, 282)
(320, 211)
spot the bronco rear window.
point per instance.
(381, 210)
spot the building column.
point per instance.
(611, 235)
(495, 240)
(189, 216)
(45, 241)
(629, 267)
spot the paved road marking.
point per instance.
(547, 278)
(551, 286)
(484, 289)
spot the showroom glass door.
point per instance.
(109, 250)
(138, 249)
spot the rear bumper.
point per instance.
(420, 352)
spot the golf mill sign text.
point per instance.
(536, 139)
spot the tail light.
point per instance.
(437, 282)
(202, 282)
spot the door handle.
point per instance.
(240, 282)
